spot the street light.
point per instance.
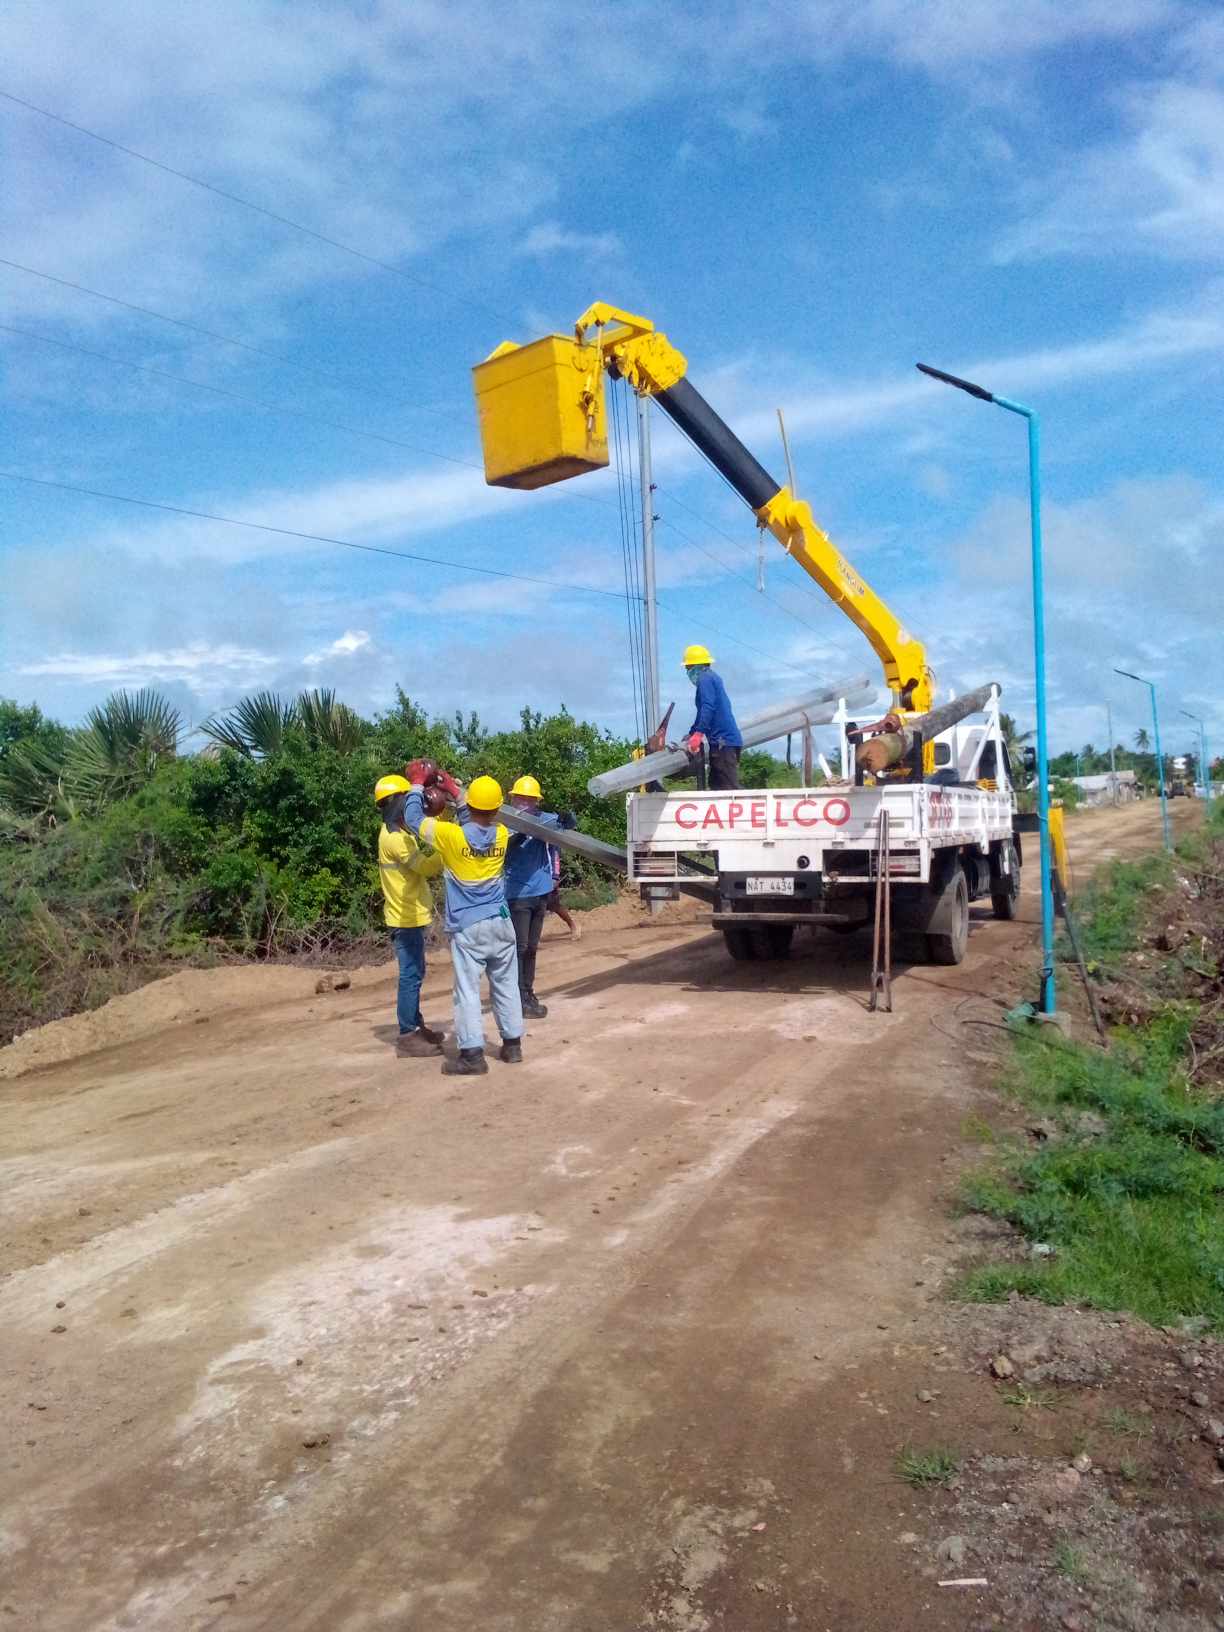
(1043, 770)
(1203, 766)
(1164, 802)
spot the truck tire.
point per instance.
(740, 944)
(947, 940)
(1005, 887)
(772, 941)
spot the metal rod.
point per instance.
(790, 469)
(646, 477)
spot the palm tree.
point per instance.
(32, 790)
(329, 723)
(1142, 741)
(1013, 741)
(255, 727)
(260, 725)
(121, 746)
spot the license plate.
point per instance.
(769, 886)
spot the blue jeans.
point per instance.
(487, 948)
(409, 946)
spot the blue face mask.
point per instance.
(695, 671)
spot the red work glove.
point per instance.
(435, 800)
(449, 786)
(421, 772)
(694, 743)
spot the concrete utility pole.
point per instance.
(1113, 769)
(654, 711)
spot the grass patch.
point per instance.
(924, 1469)
(1070, 1561)
(1128, 1197)
(1126, 1424)
(1025, 1398)
(1133, 1214)
(1111, 911)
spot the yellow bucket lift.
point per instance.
(541, 410)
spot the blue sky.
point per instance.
(807, 198)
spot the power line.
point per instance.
(238, 396)
(723, 634)
(312, 538)
(209, 334)
(730, 538)
(697, 544)
(259, 209)
(256, 402)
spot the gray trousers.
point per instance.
(488, 948)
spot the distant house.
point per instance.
(1100, 790)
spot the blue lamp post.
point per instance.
(1164, 799)
(1039, 686)
(1204, 768)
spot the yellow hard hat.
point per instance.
(484, 793)
(696, 654)
(387, 785)
(527, 787)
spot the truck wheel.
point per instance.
(739, 944)
(1005, 896)
(946, 943)
(771, 941)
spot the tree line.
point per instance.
(127, 847)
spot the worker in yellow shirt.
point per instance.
(404, 871)
(473, 851)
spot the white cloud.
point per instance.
(1160, 189)
(352, 640)
(550, 238)
(930, 34)
(200, 661)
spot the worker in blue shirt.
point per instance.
(715, 721)
(529, 887)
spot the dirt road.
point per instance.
(299, 1335)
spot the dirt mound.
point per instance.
(628, 912)
(185, 996)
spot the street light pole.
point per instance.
(1113, 769)
(1204, 769)
(1043, 764)
(1164, 800)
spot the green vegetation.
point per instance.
(119, 857)
(924, 1469)
(1070, 1561)
(1128, 1195)
(1024, 1398)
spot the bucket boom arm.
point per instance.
(633, 348)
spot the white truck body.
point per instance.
(788, 856)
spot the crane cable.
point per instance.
(628, 548)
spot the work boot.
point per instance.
(533, 1009)
(416, 1044)
(437, 1038)
(512, 1051)
(470, 1062)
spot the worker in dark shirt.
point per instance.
(715, 721)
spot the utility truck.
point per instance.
(926, 803)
